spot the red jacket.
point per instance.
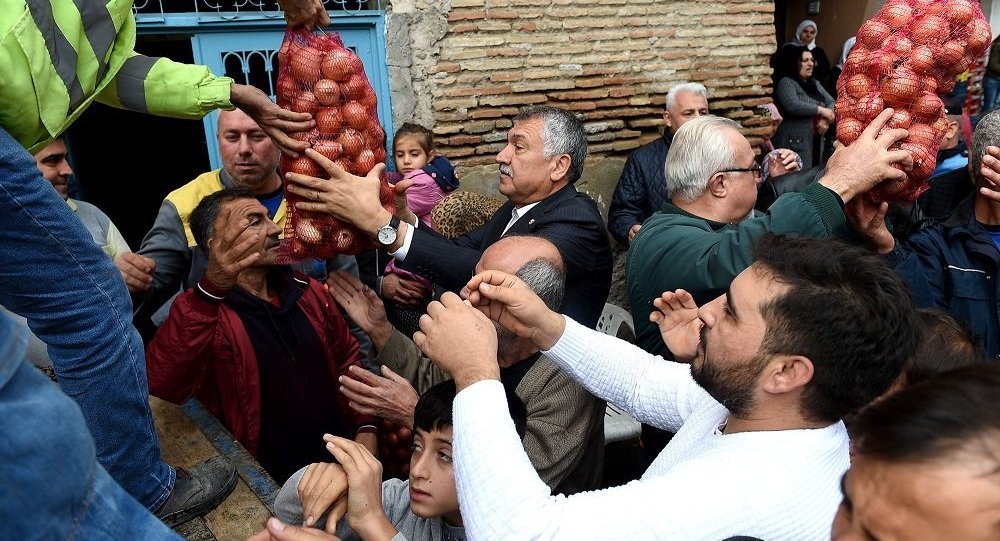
(203, 349)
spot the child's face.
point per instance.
(410, 156)
(432, 479)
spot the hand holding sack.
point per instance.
(318, 75)
(906, 56)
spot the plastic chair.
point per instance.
(618, 425)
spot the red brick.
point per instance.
(579, 94)
(464, 140)
(623, 92)
(466, 14)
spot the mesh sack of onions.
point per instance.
(907, 55)
(318, 75)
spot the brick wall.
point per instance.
(610, 60)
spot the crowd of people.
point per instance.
(816, 367)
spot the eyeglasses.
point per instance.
(755, 169)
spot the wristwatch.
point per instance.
(387, 234)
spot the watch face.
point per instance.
(386, 235)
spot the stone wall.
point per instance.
(474, 63)
(464, 67)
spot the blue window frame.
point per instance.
(240, 39)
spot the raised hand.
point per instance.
(389, 396)
(676, 315)
(403, 290)
(460, 340)
(364, 495)
(990, 172)
(362, 305)
(276, 122)
(234, 246)
(350, 198)
(504, 298)
(859, 167)
(868, 219)
(305, 13)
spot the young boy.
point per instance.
(423, 508)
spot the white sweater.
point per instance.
(705, 485)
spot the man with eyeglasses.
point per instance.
(706, 234)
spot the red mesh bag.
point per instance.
(318, 75)
(905, 56)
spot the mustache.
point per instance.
(506, 170)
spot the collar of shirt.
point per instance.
(517, 213)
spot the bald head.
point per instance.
(509, 254)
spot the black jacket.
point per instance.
(567, 218)
(642, 188)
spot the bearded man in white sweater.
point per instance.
(813, 330)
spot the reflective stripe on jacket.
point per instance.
(57, 56)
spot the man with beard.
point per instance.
(564, 435)
(260, 345)
(812, 330)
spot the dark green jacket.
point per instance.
(677, 250)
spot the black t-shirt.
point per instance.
(297, 391)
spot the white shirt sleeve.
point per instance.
(400, 254)
(650, 388)
(502, 497)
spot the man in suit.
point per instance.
(543, 159)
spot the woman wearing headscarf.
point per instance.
(806, 106)
(805, 36)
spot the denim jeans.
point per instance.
(53, 274)
(51, 485)
(991, 92)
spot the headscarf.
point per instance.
(848, 45)
(798, 32)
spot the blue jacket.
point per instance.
(642, 188)
(952, 266)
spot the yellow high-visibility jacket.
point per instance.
(56, 56)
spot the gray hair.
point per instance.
(691, 88)
(699, 149)
(546, 278)
(562, 133)
(987, 134)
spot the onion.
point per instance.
(327, 92)
(922, 60)
(352, 140)
(306, 230)
(329, 149)
(305, 103)
(329, 121)
(873, 34)
(941, 126)
(340, 65)
(900, 119)
(355, 87)
(288, 89)
(923, 134)
(901, 87)
(896, 15)
(366, 161)
(305, 64)
(978, 33)
(305, 166)
(346, 164)
(355, 115)
(375, 135)
(848, 130)
(858, 85)
(930, 29)
(869, 107)
(959, 12)
(902, 47)
(927, 105)
(370, 100)
(951, 52)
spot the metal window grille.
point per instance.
(151, 10)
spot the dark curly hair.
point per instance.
(846, 311)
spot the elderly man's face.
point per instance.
(956, 499)
(249, 214)
(687, 106)
(525, 174)
(51, 162)
(248, 154)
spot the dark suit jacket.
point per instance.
(567, 218)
